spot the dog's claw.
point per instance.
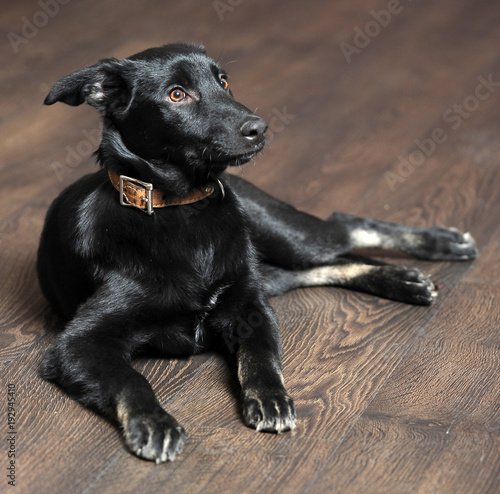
(154, 436)
(269, 410)
(445, 244)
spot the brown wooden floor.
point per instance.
(391, 398)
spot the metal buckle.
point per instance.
(149, 191)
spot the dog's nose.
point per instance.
(254, 129)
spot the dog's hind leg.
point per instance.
(90, 360)
(285, 236)
(428, 243)
(293, 239)
(407, 285)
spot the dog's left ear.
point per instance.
(100, 85)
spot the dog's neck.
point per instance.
(172, 180)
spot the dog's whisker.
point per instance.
(218, 59)
(229, 63)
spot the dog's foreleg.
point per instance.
(255, 342)
(407, 285)
(90, 361)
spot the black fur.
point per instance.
(195, 277)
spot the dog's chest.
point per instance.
(209, 242)
(214, 299)
(195, 256)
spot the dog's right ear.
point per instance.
(95, 85)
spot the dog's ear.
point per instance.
(101, 85)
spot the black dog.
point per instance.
(194, 272)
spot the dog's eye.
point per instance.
(177, 95)
(223, 82)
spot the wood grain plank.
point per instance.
(221, 460)
(434, 426)
(348, 126)
(22, 306)
(486, 269)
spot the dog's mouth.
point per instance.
(235, 160)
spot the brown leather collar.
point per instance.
(141, 195)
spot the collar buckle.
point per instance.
(148, 199)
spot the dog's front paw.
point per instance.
(446, 244)
(268, 409)
(155, 436)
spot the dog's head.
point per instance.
(169, 107)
